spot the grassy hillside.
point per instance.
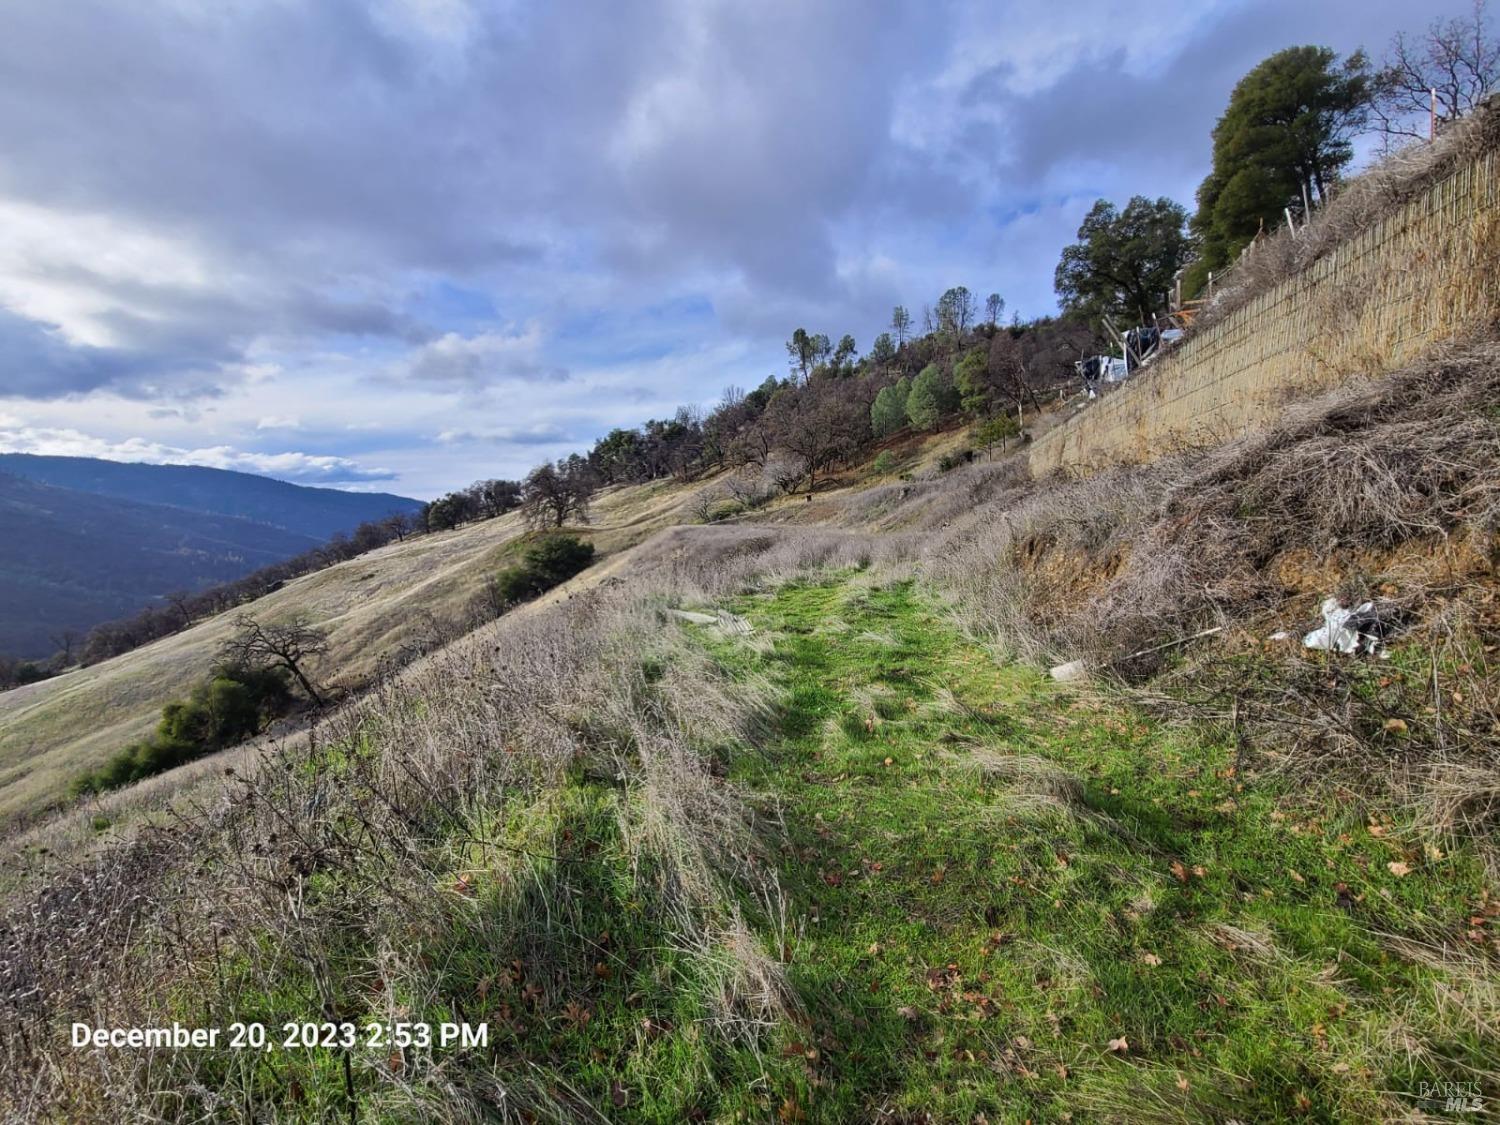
(383, 606)
(789, 823)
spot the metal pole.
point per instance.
(1432, 117)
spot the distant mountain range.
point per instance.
(317, 512)
(84, 541)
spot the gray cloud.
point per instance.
(482, 360)
(540, 434)
(194, 190)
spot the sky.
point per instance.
(407, 244)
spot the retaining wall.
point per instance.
(1426, 273)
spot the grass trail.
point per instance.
(1003, 903)
(1012, 905)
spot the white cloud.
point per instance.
(305, 468)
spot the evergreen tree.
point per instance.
(1124, 261)
(1284, 138)
(888, 411)
(932, 396)
(883, 350)
(900, 323)
(971, 377)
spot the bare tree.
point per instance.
(66, 641)
(289, 645)
(745, 487)
(401, 524)
(707, 501)
(552, 493)
(994, 305)
(182, 604)
(1457, 60)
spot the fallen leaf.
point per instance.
(1151, 959)
(1179, 871)
(1398, 869)
(1395, 726)
(1119, 1045)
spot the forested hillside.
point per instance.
(315, 513)
(71, 559)
(89, 542)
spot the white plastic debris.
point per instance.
(1072, 670)
(730, 623)
(1280, 635)
(1335, 635)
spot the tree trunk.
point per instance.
(312, 692)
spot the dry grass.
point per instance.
(1384, 488)
(389, 606)
(393, 809)
(445, 800)
(389, 807)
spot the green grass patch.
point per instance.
(1016, 904)
(1004, 902)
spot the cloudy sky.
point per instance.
(403, 244)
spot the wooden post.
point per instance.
(1432, 117)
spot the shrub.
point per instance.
(546, 564)
(885, 462)
(221, 711)
(30, 673)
